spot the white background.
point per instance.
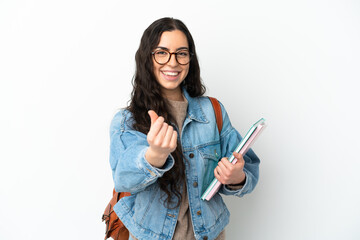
(66, 67)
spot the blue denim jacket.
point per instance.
(144, 213)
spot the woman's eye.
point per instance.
(161, 53)
(183, 54)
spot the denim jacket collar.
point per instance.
(195, 112)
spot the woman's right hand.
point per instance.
(162, 139)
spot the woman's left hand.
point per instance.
(228, 173)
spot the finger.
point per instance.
(161, 134)
(227, 164)
(155, 128)
(168, 135)
(224, 170)
(173, 141)
(217, 175)
(239, 158)
(220, 170)
(153, 116)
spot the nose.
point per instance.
(172, 61)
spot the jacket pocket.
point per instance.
(211, 154)
(217, 207)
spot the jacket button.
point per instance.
(191, 155)
(198, 213)
(205, 238)
(195, 184)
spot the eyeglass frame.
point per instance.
(171, 53)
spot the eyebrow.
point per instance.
(180, 48)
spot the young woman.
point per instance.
(164, 143)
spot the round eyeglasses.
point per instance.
(163, 56)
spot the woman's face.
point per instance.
(171, 74)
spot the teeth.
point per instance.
(171, 73)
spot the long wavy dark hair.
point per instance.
(146, 95)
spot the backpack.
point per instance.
(114, 227)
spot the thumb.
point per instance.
(237, 155)
(153, 116)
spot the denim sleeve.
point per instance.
(229, 139)
(131, 171)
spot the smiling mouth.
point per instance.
(172, 74)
